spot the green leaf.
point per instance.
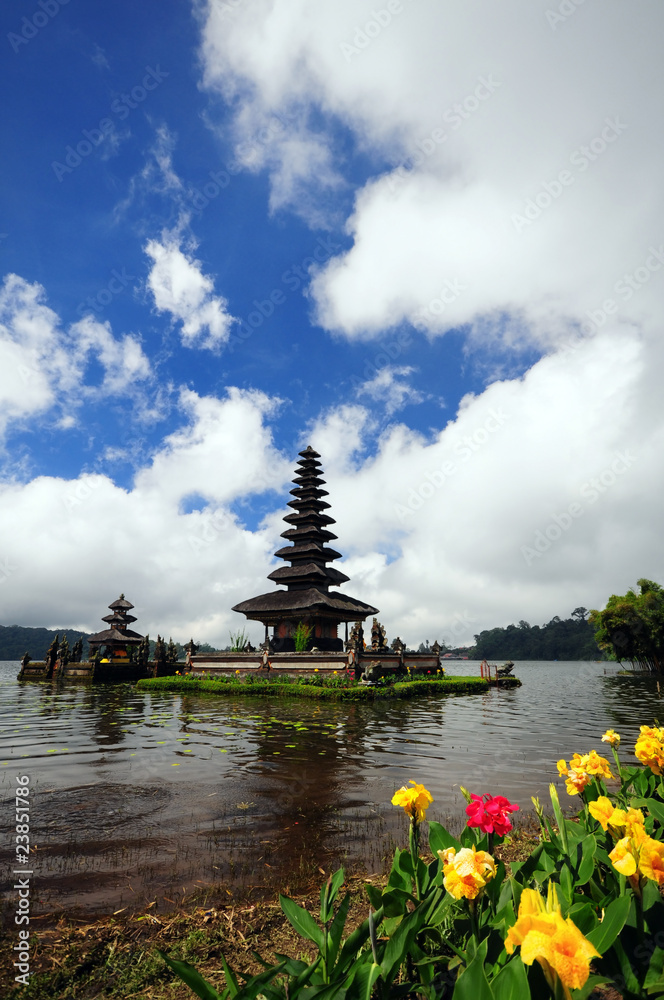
(440, 839)
(328, 894)
(375, 895)
(365, 979)
(335, 933)
(654, 976)
(589, 986)
(356, 940)
(586, 865)
(511, 983)
(192, 978)
(302, 921)
(472, 984)
(615, 915)
(398, 945)
(583, 915)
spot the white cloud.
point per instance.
(44, 366)
(386, 388)
(543, 494)
(486, 123)
(180, 288)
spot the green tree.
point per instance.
(631, 626)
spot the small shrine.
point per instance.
(114, 643)
(307, 601)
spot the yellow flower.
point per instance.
(596, 765)
(415, 800)
(556, 943)
(651, 862)
(626, 854)
(650, 748)
(466, 871)
(602, 810)
(582, 769)
(611, 737)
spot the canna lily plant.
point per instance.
(583, 910)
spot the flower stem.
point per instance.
(414, 843)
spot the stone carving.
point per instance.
(160, 651)
(356, 638)
(398, 646)
(378, 637)
(171, 652)
(51, 655)
(25, 660)
(76, 654)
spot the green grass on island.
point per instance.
(324, 688)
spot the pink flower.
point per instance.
(490, 813)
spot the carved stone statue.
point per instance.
(26, 659)
(77, 651)
(435, 649)
(51, 655)
(398, 646)
(63, 652)
(373, 671)
(171, 652)
(356, 638)
(143, 651)
(160, 651)
(378, 637)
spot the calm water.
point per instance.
(141, 797)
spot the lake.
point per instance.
(141, 797)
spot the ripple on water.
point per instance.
(137, 794)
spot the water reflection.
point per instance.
(139, 795)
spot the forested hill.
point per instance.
(560, 639)
(15, 640)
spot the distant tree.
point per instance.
(631, 626)
(580, 614)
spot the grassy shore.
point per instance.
(115, 957)
(326, 689)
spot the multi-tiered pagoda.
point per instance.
(115, 640)
(308, 579)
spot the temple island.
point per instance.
(117, 654)
(302, 622)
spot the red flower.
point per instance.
(490, 813)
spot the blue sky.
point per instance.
(237, 228)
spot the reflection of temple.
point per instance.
(308, 579)
(116, 641)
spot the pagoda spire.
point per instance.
(308, 578)
(308, 554)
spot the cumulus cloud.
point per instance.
(179, 287)
(519, 163)
(43, 365)
(386, 388)
(183, 571)
(541, 495)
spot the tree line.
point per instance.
(570, 638)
